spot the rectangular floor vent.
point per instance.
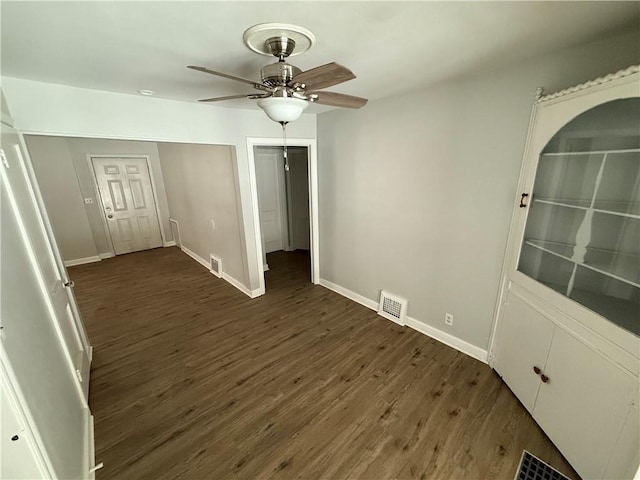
(393, 308)
(215, 266)
(532, 468)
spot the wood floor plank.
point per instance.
(192, 379)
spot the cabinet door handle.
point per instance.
(544, 378)
(536, 370)
(523, 199)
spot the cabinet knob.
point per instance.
(523, 200)
(536, 370)
(544, 378)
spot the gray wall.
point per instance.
(62, 196)
(299, 192)
(65, 178)
(416, 191)
(201, 182)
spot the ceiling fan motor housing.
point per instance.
(279, 73)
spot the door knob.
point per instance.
(109, 216)
(537, 370)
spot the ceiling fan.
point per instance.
(285, 90)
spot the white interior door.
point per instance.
(39, 338)
(22, 198)
(128, 203)
(271, 201)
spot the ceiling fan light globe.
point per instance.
(283, 109)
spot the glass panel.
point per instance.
(553, 223)
(619, 189)
(567, 179)
(551, 270)
(582, 236)
(615, 300)
(614, 246)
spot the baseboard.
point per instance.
(443, 337)
(225, 276)
(240, 286)
(81, 261)
(171, 243)
(345, 292)
(450, 340)
(105, 255)
(196, 257)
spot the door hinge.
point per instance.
(70, 284)
(79, 375)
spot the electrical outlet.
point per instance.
(88, 201)
(448, 319)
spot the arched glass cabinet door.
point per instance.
(582, 235)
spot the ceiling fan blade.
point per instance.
(232, 97)
(324, 76)
(338, 99)
(253, 83)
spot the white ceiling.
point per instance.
(392, 47)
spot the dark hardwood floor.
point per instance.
(192, 379)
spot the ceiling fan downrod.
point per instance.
(284, 148)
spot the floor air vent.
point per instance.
(532, 468)
(215, 266)
(393, 308)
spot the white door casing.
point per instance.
(311, 145)
(22, 191)
(128, 203)
(271, 200)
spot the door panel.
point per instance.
(269, 179)
(569, 405)
(523, 343)
(21, 199)
(626, 454)
(127, 199)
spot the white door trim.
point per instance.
(94, 182)
(312, 153)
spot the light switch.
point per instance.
(88, 200)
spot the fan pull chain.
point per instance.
(284, 137)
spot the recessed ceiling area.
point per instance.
(392, 47)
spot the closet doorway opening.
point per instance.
(285, 198)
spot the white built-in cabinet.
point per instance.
(566, 337)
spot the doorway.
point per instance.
(285, 199)
(128, 203)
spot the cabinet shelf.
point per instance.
(592, 152)
(564, 251)
(576, 203)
